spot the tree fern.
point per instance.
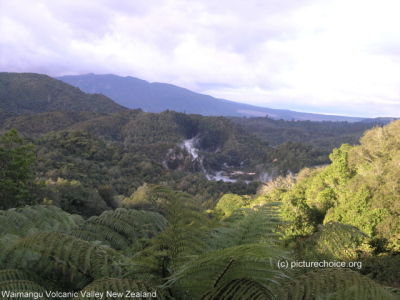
(248, 226)
(212, 269)
(103, 233)
(121, 228)
(53, 254)
(30, 220)
(19, 288)
(13, 280)
(15, 274)
(48, 217)
(333, 284)
(239, 289)
(180, 242)
(120, 288)
(186, 231)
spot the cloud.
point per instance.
(305, 55)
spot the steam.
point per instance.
(189, 146)
(170, 151)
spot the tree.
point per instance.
(16, 170)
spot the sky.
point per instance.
(337, 57)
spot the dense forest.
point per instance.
(95, 202)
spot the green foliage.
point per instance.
(61, 258)
(292, 157)
(324, 135)
(300, 144)
(384, 269)
(13, 280)
(336, 241)
(239, 289)
(14, 274)
(333, 284)
(354, 208)
(241, 262)
(119, 287)
(302, 219)
(16, 170)
(121, 228)
(281, 182)
(182, 239)
(73, 197)
(29, 93)
(49, 121)
(20, 222)
(186, 230)
(32, 219)
(325, 188)
(358, 188)
(246, 245)
(228, 203)
(149, 128)
(216, 268)
(22, 289)
(376, 161)
(248, 226)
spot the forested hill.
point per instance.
(156, 97)
(28, 93)
(324, 135)
(217, 138)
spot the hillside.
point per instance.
(218, 139)
(28, 93)
(324, 135)
(156, 97)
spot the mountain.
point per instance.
(156, 97)
(29, 93)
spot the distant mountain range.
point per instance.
(157, 97)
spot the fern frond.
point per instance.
(49, 216)
(248, 226)
(89, 236)
(65, 254)
(106, 234)
(32, 219)
(240, 289)
(253, 261)
(8, 227)
(121, 228)
(146, 221)
(333, 284)
(186, 231)
(21, 285)
(29, 220)
(15, 274)
(120, 287)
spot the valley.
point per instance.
(95, 196)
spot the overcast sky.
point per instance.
(335, 57)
